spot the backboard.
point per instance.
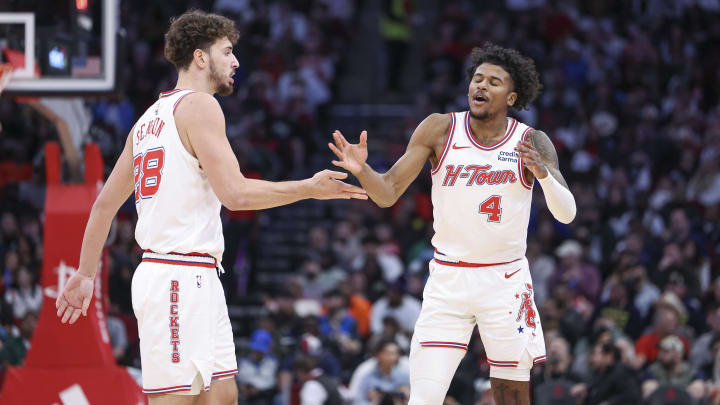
(60, 47)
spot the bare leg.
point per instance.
(508, 392)
(222, 392)
(172, 399)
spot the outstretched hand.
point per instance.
(75, 297)
(352, 155)
(326, 185)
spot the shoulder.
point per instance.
(198, 104)
(537, 136)
(433, 128)
(437, 122)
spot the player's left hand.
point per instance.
(531, 159)
(75, 297)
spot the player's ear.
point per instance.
(200, 58)
(511, 98)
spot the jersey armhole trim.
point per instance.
(446, 147)
(179, 100)
(521, 168)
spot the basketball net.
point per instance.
(6, 71)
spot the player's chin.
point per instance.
(225, 90)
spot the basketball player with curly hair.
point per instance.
(483, 167)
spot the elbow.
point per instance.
(234, 200)
(236, 204)
(385, 204)
(567, 217)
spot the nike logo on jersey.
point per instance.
(459, 147)
(511, 274)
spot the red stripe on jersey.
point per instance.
(179, 262)
(466, 264)
(170, 92)
(180, 99)
(446, 147)
(521, 168)
(508, 134)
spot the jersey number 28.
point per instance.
(148, 173)
(491, 206)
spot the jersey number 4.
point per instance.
(491, 206)
(148, 173)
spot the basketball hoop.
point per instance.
(6, 71)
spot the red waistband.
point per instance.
(461, 263)
(192, 259)
(466, 264)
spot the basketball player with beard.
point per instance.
(179, 164)
(483, 166)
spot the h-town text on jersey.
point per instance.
(478, 175)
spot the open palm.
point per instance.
(352, 156)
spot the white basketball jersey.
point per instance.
(177, 209)
(481, 199)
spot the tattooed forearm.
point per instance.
(546, 149)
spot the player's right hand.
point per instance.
(352, 155)
(75, 297)
(326, 185)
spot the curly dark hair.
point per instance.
(521, 69)
(193, 30)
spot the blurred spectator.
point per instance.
(316, 387)
(377, 265)
(387, 382)
(671, 370)
(118, 338)
(359, 306)
(26, 296)
(580, 277)
(555, 382)
(391, 331)
(620, 310)
(669, 310)
(16, 341)
(612, 382)
(702, 351)
(397, 304)
(396, 32)
(256, 372)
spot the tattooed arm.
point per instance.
(540, 158)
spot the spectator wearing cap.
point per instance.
(669, 311)
(256, 372)
(396, 303)
(581, 278)
(670, 369)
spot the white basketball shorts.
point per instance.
(183, 323)
(497, 297)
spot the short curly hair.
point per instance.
(521, 69)
(193, 30)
